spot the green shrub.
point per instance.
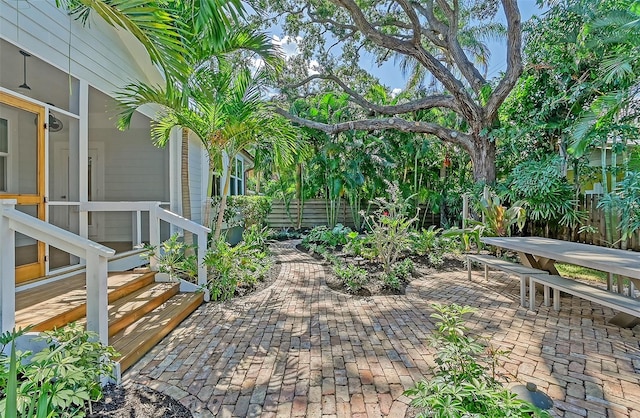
(245, 210)
(464, 382)
(403, 269)
(175, 258)
(389, 227)
(328, 237)
(59, 381)
(244, 264)
(391, 280)
(353, 277)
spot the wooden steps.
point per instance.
(138, 338)
(141, 311)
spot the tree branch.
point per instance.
(514, 59)
(438, 100)
(398, 124)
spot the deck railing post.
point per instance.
(97, 298)
(154, 232)
(202, 250)
(7, 269)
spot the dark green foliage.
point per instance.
(58, 381)
(464, 383)
(625, 202)
(247, 210)
(545, 194)
(353, 277)
(238, 266)
(327, 237)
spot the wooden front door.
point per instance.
(22, 169)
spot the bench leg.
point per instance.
(469, 268)
(486, 272)
(532, 294)
(610, 282)
(556, 299)
(546, 296)
(523, 291)
(620, 284)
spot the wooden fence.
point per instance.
(596, 220)
(314, 213)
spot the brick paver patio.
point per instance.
(298, 348)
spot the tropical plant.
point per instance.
(390, 227)
(464, 382)
(234, 267)
(498, 220)
(625, 203)
(542, 190)
(58, 381)
(174, 257)
(353, 277)
(327, 237)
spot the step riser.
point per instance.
(79, 312)
(135, 351)
(116, 326)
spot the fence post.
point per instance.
(97, 299)
(465, 210)
(7, 269)
(154, 232)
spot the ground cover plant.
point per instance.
(385, 256)
(236, 270)
(464, 382)
(61, 380)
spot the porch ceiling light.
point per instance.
(24, 85)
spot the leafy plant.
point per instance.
(391, 280)
(58, 381)
(328, 237)
(242, 265)
(625, 202)
(389, 227)
(498, 220)
(403, 269)
(464, 382)
(174, 257)
(353, 277)
(242, 210)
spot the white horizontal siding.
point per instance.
(95, 53)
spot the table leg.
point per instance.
(523, 291)
(486, 273)
(540, 263)
(610, 282)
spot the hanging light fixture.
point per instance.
(24, 85)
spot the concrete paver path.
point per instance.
(298, 348)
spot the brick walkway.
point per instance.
(298, 348)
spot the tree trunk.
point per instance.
(223, 200)
(483, 157)
(184, 183)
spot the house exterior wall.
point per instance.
(96, 54)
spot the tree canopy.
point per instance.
(440, 37)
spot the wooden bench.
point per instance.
(594, 294)
(508, 267)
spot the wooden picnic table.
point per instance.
(542, 253)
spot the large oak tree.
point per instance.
(432, 34)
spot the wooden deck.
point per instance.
(141, 311)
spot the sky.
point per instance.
(389, 73)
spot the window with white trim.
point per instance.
(237, 178)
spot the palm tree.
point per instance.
(223, 106)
